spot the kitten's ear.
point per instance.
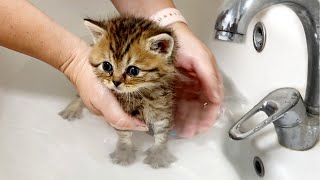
(161, 44)
(96, 31)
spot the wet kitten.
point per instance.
(134, 57)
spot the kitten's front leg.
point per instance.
(158, 156)
(73, 110)
(124, 153)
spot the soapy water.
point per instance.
(38, 144)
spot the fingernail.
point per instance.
(140, 123)
(141, 128)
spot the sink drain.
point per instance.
(259, 36)
(258, 166)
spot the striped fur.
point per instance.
(150, 95)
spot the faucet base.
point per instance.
(296, 129)
(301, 137)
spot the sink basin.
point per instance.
(38, 144)
(282, 63)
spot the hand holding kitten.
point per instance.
(97, 98)
(58, 47)
(31, 32)
(198, 100)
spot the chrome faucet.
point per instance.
(296, 122)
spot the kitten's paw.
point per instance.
(159, 157)
(71, 112)
(123, 155)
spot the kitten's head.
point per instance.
(131, 53)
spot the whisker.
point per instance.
(140, 93)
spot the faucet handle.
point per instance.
(276, 105)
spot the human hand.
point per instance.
(95, 96)
(198, 99)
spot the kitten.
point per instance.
(134, 57)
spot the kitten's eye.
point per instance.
(133, 71)
(107, 67)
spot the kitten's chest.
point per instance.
(131, 103)
(148, 106)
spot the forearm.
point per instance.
(143, 8)
(26, 29)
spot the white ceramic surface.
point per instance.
(282, 63)
(36, 143)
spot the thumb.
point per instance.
(100, 99)
(115, 115)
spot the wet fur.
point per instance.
(125, 41)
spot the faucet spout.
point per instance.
(232, 24)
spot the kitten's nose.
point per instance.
(116, 83)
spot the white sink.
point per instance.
(282, 63)
(38, 144)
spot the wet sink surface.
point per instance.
(36, 143)
(283, 63)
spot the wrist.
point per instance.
(168, 16)
(76, 60)
(179, 26)
(143, 8)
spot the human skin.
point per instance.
(27, 30)
(199, 100)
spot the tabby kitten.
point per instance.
(134, 57)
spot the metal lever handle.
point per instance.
(275, 105)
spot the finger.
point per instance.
(105, 102)
(210, 80)
(93, 109)
(180, 115)
(114, 114)
(126, 122)
(188, 131)
(190, 124)
(208, 117)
